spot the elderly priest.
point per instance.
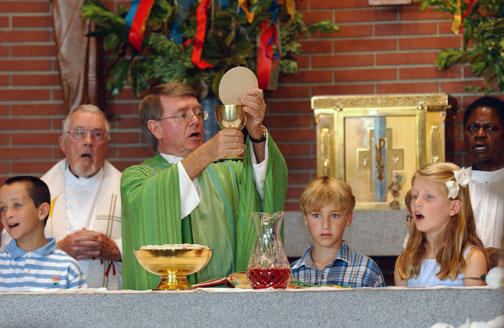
(184, 194)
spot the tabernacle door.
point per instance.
(376, 143)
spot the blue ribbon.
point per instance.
(130, 16)
(183, 10)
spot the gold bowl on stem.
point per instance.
(231, 117)
(173, 263)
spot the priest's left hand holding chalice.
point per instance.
(184, 194)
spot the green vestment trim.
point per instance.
(151, 213)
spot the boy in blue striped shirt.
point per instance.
(327, 205)
(31, 261)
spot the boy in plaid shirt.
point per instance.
(327, 205)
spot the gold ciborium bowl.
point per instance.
(231, 117)
(173, 263)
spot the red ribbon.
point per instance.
(111, 265)
(464, 15)
(138, 26)
(265, 53)
(199, 39)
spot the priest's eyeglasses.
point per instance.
(81, 133)
(187, 117)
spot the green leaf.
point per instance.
(117, 78)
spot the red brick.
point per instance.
(24, 35)
(331, 4)
(24, 152)
(38, 109)
(289, 121)
(316, 16)
(127, 94)
(296, 178)
(4, 80)
(35, 138)
(31, 167)
(365, 74)
(56, 94)
(458, 86)
(24, 6)
(131, 152)
(24, 95)
(365, 45)
(124, 137)
(36, 79)
(342, 89)
(434, 42)
(4, 138)
(4, 51)
(387, 88)
(123, 108)
(453, 131)
(406, 58)
(351, 30)
(292, 205)
(4, 109)
(342, 60)
(32, 21)
(302, 163)
(429, 73)
(445, 27)
(316, 46)
(57, 124)
(288, 92)
(4, 168)
(34, 51)
(24, 124)
(294, 193)
(24, 65)
(366, 15)
(4, 21)
(128, 123)
(295, 150)
(289, 107)
(414, 13)
(303, 61)
(307, 76)
(405, 29)
(294, 135)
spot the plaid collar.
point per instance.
(344, 254)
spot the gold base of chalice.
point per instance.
(173, 263)
(231, 117)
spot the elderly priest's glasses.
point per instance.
(187, 117)
(81, 133)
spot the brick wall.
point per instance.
(379, 50)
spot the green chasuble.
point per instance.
(151, 213)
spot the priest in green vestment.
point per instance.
(184, 194)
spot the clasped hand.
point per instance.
(87, 244)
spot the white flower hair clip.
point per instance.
(462, 178)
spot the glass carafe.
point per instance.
(268, 265)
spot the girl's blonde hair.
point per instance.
(459, 233)
(326, 190)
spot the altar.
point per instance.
(315, 307)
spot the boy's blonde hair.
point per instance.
(326, 190)
(459, 233)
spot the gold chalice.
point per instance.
(231, 117)
(173, 263)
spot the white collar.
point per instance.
(486, 176)
(72, 179)
(172, 159)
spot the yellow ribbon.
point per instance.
(457, 18)
(243, 5)
(51, 206)
(291, 7)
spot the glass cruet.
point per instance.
(268, 265)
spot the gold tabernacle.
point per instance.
(173, 264)
(375, 143)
